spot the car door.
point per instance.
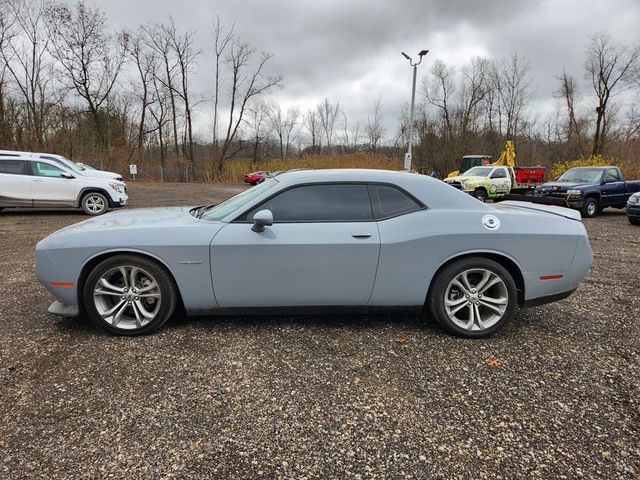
(613, 188)
(322, 250)
(15, 183)
(500, 183)
(49, 186)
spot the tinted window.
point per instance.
(499, 174)
(13, 167)
(389, 201)
(319, 203)
(41, 169)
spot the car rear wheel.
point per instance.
(480, 195)
(473, 297)
(129, 295)
(589, 208)
(95, 203)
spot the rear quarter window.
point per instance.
(388, 201)
(13, 167)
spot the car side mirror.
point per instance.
(263, 218)
(66, 175)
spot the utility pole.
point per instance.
(407, 156)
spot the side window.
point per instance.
(612, 175)
(499, 173)
(41, 169)
(13, 167)
(319, 203)
(388, 201)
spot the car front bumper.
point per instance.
(633, 211)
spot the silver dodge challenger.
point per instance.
(317, 242)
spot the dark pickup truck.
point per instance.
(588, 189)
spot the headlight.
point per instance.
(634, 200)
(574, 192)
(117, 187)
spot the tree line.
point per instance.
(71, 84)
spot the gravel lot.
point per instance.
(554, 395)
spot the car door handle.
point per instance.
(361, 235)
(36, 180)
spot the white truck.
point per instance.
(495, 182)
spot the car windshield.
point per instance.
(218, 212)
(478, 172)
(591, 175)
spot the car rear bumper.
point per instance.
(535, 302)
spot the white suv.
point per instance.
(76, 168)
(38, 182)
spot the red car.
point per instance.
(254, 178)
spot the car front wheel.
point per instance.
(129, 295)
(473, 297)
(634, 221)
(589, 208)
(480, 195)
(95, 203)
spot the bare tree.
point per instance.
(221, 40)
(609, 66)
(185, 55)
(474, 89)
(511, 82)
(567, 92)
(30, 67)
(247, 82)
(311, 124)
(258, 121)
(327, 114)
(88, 54)
(439, 91)
(374, 130)
(6, 32)
(145, 61)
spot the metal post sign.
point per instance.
(133, 169)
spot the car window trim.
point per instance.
(237, 219)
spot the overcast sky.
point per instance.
(349, 51)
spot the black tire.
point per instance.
(440, 290)
(589, 208)
(94, 203)
(149, 269)
(480, 194)
(634, 220)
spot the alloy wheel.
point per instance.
(476, 299)
(127, 297)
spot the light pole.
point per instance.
(407, 156)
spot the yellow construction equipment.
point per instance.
(507, 158)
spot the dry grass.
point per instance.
(630, 170)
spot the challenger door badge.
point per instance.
(490, 222)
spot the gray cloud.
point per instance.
(349, 51)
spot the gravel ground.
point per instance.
(554, 395)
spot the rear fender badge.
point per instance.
(490, 222)
(190, 262)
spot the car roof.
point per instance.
(593, 166)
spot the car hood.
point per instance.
(562, 186)
(464, 178)
(101, 174)
(152, 218)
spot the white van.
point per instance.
(39, 182)
(77, 168)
